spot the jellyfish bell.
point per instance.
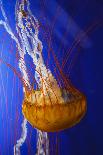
(56, 110)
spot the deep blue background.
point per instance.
(86, 138)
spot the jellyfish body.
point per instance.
(50, 115)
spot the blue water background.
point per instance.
(86, 138)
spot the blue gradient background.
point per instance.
(86, 138)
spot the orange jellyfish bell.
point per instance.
(57, 110)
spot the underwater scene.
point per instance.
(51, 57)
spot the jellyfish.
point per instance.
(52, 108)
(48, 105)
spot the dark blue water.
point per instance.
(67, 19)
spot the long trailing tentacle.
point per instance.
(22, 67)
(27, 28)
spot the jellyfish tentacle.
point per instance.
(22, 138)
(23, 71)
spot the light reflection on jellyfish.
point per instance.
(50, 103)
